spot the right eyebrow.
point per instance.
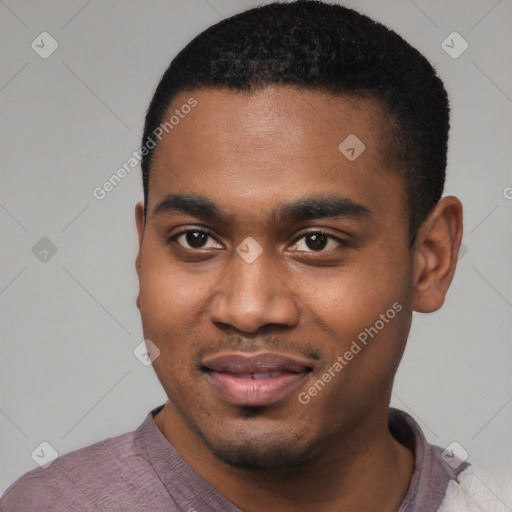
(195, 206)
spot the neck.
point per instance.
(364, 469)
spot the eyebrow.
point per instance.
(317, 207)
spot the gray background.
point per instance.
(69, 325)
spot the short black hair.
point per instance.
(313, 45)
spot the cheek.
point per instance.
(166, 292)
(172, 306)
(351, 298)
(166, 302)
(364, 318)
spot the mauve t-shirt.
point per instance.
(142, 472)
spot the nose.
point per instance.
(253, 295)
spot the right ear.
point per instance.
(139, 221)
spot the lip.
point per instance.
(255, 379)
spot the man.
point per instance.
(293, 166)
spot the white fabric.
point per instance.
(476, 492)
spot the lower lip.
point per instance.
(254, 392)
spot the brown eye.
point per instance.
(194, 239)
(316, 241)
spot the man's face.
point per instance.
(244, 336)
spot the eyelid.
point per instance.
(173, 237)
(313, 231)
(323, 232)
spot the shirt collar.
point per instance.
(432, 473)
(189, 491)
(186, 488)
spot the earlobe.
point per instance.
(435, 254)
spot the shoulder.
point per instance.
(74, 480)
(476, 491)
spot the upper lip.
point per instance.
(243, 363)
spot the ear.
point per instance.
(139, 221)
(435, 254)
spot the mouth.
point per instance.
(255, 379)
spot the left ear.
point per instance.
(435, 254)
(139, 222)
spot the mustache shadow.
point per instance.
(271, 343)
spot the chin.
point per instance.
(256, 449)
(256, 458)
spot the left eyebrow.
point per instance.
(321, 207)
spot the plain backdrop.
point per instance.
(69, 322)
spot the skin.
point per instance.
(250, 154)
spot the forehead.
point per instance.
(250, 149)
(246, 119)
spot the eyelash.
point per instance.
(339, 241)
(342, 243)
